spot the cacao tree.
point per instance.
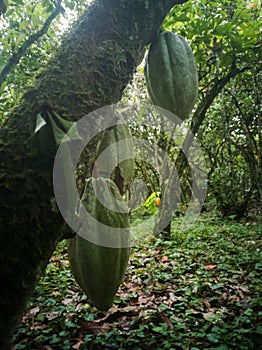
(226, 43)
(94, 63)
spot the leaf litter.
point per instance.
(182, 293)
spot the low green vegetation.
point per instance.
(199, 290)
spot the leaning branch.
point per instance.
(204, 105)
(181, 163)
(15, 58)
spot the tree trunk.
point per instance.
(170, 197)
(92, 67)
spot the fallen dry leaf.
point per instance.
(164, 258)
(144, 300)
(208, 315)
(94, 327)
(210, 267)
(34, 311)
(207, 304)
(52, 315)
(56, 293)
(77, 345)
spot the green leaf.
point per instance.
(65, 123)
(69, 127)
(40, 123)
(151, 198)
(37, 143)
(58, 133)
(212, 337)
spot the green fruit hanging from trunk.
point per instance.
(99, 256)
(115, 156)
(171, 74)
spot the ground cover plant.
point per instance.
(199, 290)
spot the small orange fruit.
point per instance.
(157, 201)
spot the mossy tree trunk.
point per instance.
(92, 67)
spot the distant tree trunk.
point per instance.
(94, 64)
(170, 198)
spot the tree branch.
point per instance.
(218, 86)
(181, 162)
(15, 58)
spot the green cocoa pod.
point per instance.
(171, 74)
(100, 268)
(117, 162)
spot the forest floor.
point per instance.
(201, 289)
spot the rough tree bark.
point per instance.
(93, 65)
